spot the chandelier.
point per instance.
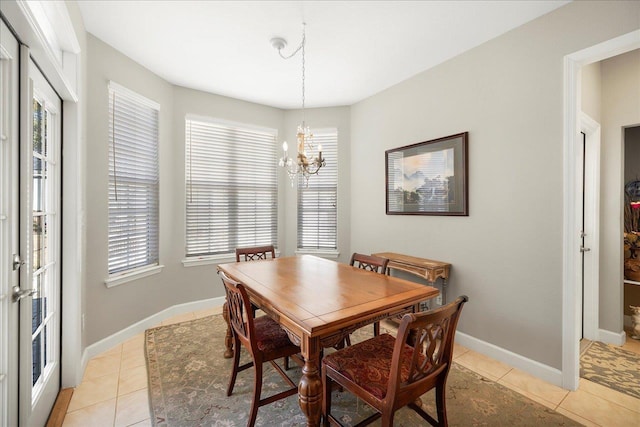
(304, 163)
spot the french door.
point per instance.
(30, 241)
(40, 155)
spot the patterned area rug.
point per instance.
(612, 367)
(188, 379)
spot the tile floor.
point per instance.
(113, 391)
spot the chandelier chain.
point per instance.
(304, 39)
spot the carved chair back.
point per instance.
(255, 253)
(430, 357)
(369, 262)
(240, 319)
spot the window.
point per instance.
(133, 180)
(318, 202)
(232, 191)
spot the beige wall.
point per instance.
(508, 94)
(620, 109)
(109, 310)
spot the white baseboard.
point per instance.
(537, 369)
(613, 338)
(141, 326)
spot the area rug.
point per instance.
(188, 379)
(612, 367)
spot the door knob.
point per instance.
(18, 294)
(17, 262)
(583, 249)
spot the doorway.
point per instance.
(572, 256)
(31, 129)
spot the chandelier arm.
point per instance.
(298, 48)
(293, 53)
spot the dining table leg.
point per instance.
(228, 339)
(310, 386)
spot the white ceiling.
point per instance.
(354, 49)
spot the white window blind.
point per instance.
(232, 191)
(133, 180)
(318, 202)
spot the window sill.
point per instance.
(128, 276)
(196, 261)
(328, 254)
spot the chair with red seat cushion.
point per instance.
(263, 338)
(388, 374)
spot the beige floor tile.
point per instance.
(98, 415)
(577, 418)
(132, 359)
(599, 410)
(132, 380)
(102, 365)
(458, 350)
(132, 408)
(114, 351)
(143, 423)
(610, 395)
(94, 390)
(483, 365)
(207, 312)
(135, 342)
(178, 318)
(530, 385)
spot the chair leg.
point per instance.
(326, 399)
(236, 364)
(387, 419)
(257, 389)
(286, 363)
(441, 405)
(376, 329)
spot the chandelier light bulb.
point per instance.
(285, 146)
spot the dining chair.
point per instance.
(388, 374)
(370, 263)
(263, 338)
(255, 253)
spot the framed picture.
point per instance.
(428, 178)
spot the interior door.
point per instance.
(39, 293)
(9, 214)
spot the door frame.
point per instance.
(571, 263)
(67, 79)
(9, 218)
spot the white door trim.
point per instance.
(571, 228)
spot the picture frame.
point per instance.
(428, 178)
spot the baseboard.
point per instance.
(613, 338)
(141, 326)
(537, 369)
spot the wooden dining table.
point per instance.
(317, 302)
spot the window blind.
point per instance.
(133, 180)
(318, 202)
(232, 191)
